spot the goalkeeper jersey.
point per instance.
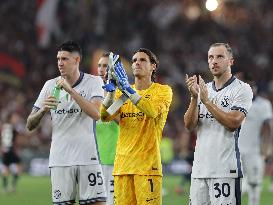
(141, 125)
(107, 136)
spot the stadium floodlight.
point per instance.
(211, 5)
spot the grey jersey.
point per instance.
(216, 153)
(260, 111)
(73, 131)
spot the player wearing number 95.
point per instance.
(75, 168)
(137, 167)
(217, 109)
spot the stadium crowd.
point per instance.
(179, 32)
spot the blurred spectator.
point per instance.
(178, 31)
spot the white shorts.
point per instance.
(215, 191)
(109, 183)
(88, 180)
(253, 167)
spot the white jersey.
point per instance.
(7, 135)
(216, 153)
(260, 111)
(73, 131)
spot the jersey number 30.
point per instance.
(222, 190)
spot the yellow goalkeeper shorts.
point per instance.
(137, 190)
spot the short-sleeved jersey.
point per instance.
(216, 152)
(260, 111)
(107, 136)
(73, 131)
(141, 126)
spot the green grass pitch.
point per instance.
(36, 191)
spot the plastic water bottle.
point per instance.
(56, 93)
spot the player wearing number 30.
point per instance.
(217, 109)
(137, 167)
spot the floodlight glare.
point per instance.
(211, 5)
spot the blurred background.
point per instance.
(179, 32)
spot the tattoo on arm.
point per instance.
(34, 118)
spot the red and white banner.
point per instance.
(46, 21)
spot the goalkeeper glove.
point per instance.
(110, 86)
(123, 83)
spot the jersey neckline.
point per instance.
(79, 80)
(225, 85)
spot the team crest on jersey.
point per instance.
(57, 194)
(224, 102)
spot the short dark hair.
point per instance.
(226, 45)
(105, 54)
(70, 46)
(153, 60)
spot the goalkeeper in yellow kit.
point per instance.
(137, 167)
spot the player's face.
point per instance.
(102, 67)
(142, 65)
(219, 60)
(67, 63)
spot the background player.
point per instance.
(9, 149)
(255, 142)
(217, 109)
(73, 161)
(107, 135)
(137, 168)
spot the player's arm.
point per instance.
(157, 104)
(91, 108)
(106, 117)
(266, 140)
(107, 102)
(233, 119)
(37, 114)
(191, 115)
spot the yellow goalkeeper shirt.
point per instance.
(141, 126)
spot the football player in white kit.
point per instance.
(217, 109)
(255, 143)
(74, 162)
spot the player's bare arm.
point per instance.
(230, 120)
(91, 108)
(36, 115)
(191, 115)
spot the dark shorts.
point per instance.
(10, 157)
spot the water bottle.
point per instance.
(56, 93)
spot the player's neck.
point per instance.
(143, 83)
(221, 80)
(73, 78)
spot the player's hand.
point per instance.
(203, 91)
(111, 84)
(122, 79)
(50, 103)
(192, 85)
(63, 84)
